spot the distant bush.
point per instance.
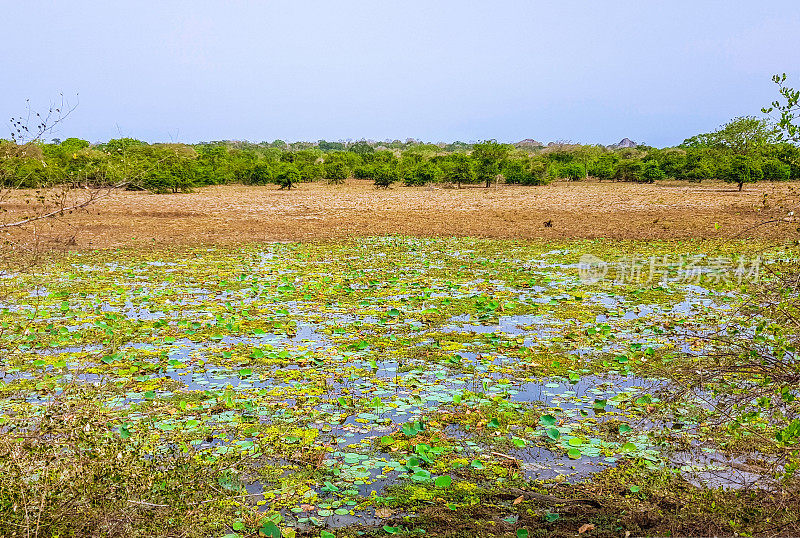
(311, 171)
(181, 167)
(515, 171)
(700, 171)
(384, 175)
(287, 175)
(603, 168)
(571, 170)
(421, 174)
(458, 169)
(363, 172)
(652, 172)
(262, 174)
(629, 170)
(335, 172)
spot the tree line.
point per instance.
(744, 150)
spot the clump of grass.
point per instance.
(65, 471)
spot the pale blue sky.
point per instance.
(586, 71)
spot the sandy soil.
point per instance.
(234, 213)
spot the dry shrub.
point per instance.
(66, 471)
(30, 150)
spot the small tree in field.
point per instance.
(287, 176)
(459, 169)
(487, 156)
(742, 169)
(384, 175)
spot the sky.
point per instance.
(581, 71)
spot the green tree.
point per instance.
(384, 175)
(421, 174)
(651, 171)
(742, 169)
(361, 147)
(775, 170)
(261, 173)
(515, 171)
(604, 166)
(488, 155)
(458, 169)
(740, 136)
(287, 176)
(629, 170)
(335, 171)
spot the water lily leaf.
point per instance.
(443, 481)
(270, 530)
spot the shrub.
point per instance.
(700, 171)
(774, 170)
(421, 174)
(604, 167)
(571, 170)
(335, 172)
(514, 171)
(363, 172)
(311, 171)
(287, 176)
(741, 169)
(384, 175)
(458, 169)
(261, 174)
(652, 172)
(629, 170)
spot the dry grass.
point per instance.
(235, 213)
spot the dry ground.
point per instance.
(236, 213)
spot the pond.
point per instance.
(370, 364)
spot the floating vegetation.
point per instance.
(324, 386)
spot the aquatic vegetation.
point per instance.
(303, 386)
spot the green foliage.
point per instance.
(652, 172)
(181, 167)
(629, 170)
(572, 170)
(384, 175)
(514, 171)
(422, 174)
(741, 169)
(363, 172)
(458, 169)
(775, 170)
(261, 173)
(287, 175)
(335, 171)
(361, 148)
(487, 156)
(741, 136)
(605, 166)
(788, 107)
